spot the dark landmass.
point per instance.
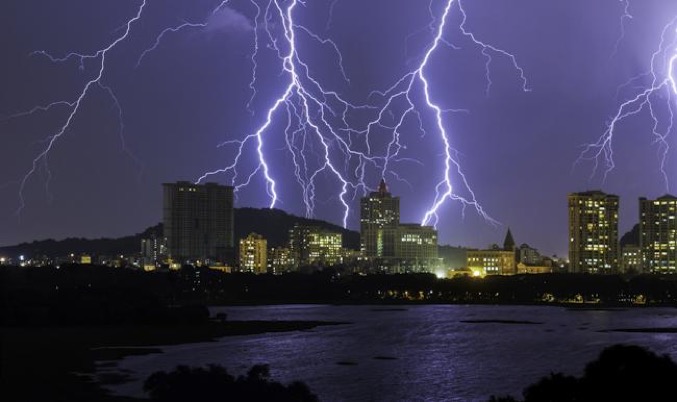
(620, 373)
(56, 248)
(89, 294)
(500, 322)
(631, 237)
(58, 363)
(273, 224)
(215, 384)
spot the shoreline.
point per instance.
(64, 360)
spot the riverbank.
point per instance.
(57, 363)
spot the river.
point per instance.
(416, 353)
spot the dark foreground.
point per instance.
(58, 363)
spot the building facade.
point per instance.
(593, 233)
(312, 245)
(280, 260)
(379, 218)
(416, 248)
(529, 255)
(658, 234)
(491, 262)
(631, 259)
(254, 254)
(198, 221)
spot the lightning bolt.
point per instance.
(322, 135)
(625, 17)
(650, 97)
(317, 126)
(75, 105)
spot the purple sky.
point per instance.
(517, 149)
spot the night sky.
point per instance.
(517, 149)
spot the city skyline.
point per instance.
(518, 149)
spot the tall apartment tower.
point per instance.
(658, 234)
(593, 232)
(379, 220)
(198, 221)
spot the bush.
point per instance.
(620, 373)
(214, 383)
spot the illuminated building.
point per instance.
(280, 260)
(153, 250)
(313, 245)
(593, 232)
(198, 221)
(523, 268)
(658, 234)
(416, 248)
(631, 259)
(389, 245)
(379, 218)
(253, 254)
(494, 261)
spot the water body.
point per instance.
(417, 353)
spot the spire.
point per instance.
(382, 188)
(509, 242)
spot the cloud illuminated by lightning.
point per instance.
(655, 96)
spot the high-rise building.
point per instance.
(280, 260)
(658, 234)
(379, 218)
(313, 245)
(416, 248)
(198, 221)
(253, 254)
(593, 232)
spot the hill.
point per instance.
(273, 224)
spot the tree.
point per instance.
(214, 383)
(620, 373)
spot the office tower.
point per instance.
(198, 221)
(416, 248)
(593, 232)
(313, 245)
(253, 254)
(379, 218)
(658, 234)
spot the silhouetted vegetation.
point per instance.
(90, 294)
(215, 384)
(620, 373)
